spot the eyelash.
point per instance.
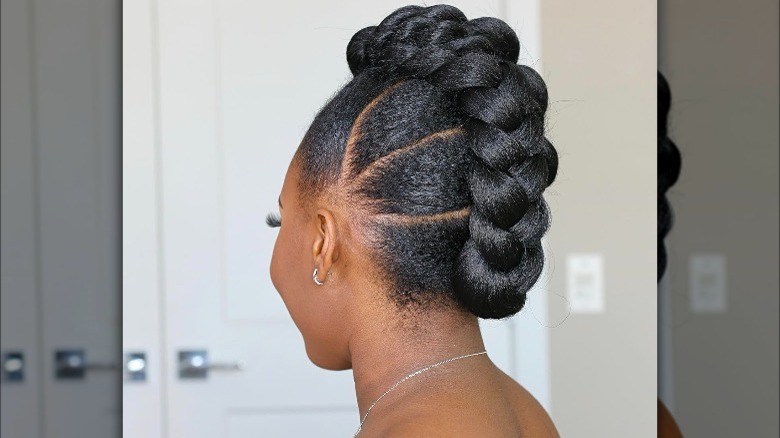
(273, 220)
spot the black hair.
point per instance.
(437, 144)
(669, 163)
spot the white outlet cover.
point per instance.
(707, 282)
(585, 282)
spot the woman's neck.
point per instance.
(383, 353)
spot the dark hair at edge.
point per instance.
(437, 145)
(669, 163)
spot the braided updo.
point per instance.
(438, 144)
(669, 163)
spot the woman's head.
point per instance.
(423, 176)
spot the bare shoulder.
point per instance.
(533, 418)
(435, 426)
(491, 406)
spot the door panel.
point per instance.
(20, 300)
(76, 103)
(60, 162)
(142, 330)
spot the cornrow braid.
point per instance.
(444, 153)
(669, 164)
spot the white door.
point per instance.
(60, 218)
(232, 87)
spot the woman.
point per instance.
(412, 207)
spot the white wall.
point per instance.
(600, 66)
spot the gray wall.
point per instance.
(600, 67)
(721, 60)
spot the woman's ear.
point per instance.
(325, 249)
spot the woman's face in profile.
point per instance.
(314, 309)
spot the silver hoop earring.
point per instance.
(314, 277)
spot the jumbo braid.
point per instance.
(669, 164)
(487, 127)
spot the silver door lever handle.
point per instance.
(194, 364)
(73, 364)
(235, 366)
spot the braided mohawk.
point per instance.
(438, 141)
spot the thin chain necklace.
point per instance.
(421, 370)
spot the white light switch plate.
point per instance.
(707, 277)
(585, 282)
